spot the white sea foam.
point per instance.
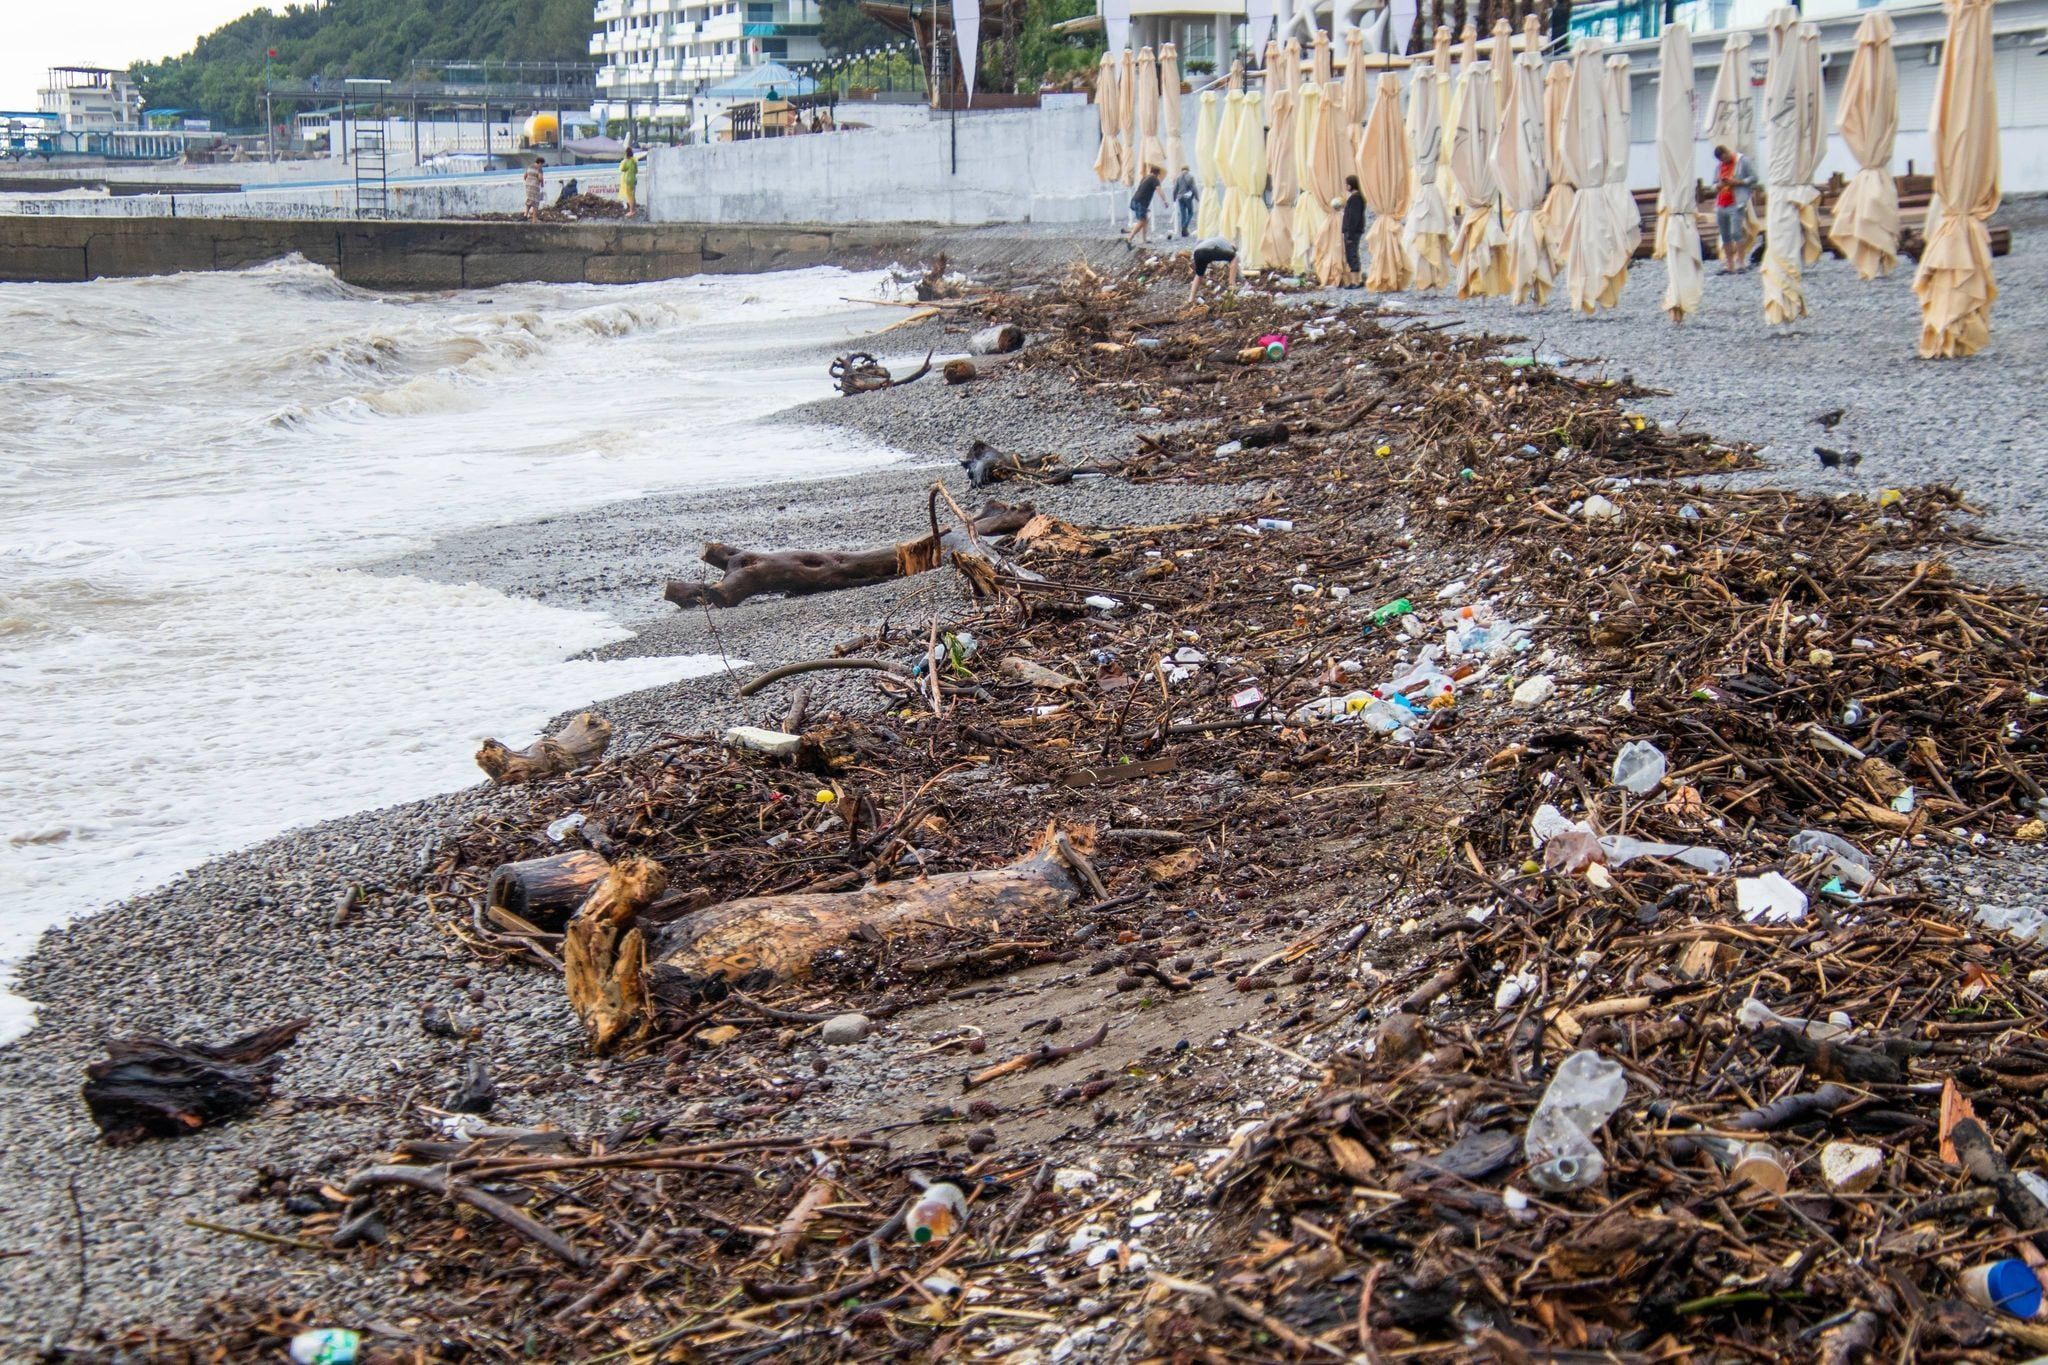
(190, 467)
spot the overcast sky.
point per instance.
(39, 34)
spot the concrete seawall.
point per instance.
(430, 255)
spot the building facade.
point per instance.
(660, 56)
(91, 99)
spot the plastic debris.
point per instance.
(326, 1346)
(1769, 899)
(1597, 508)
(938, 1213)
(1535, 691)
(1639, 767)
(1755, 1014)
(774, 743)
(2008, 1286)
(1582, 1096)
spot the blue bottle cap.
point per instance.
(2014, 1288)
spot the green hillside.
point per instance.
(222, 76)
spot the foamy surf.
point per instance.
(189, 467)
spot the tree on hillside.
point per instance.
(843, 28)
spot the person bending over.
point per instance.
(1220, 251)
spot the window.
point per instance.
(760, 14)
(777, 48)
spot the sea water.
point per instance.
(193, 466)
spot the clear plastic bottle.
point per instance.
(938, 1213)
(1582, 1096)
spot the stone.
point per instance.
(1597, 508)
(1850, 1167)
(774, 743)
(843, 1029)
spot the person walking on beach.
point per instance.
(629, 181)
(1734, 179)
(1354, 228)
(1186, 194)
(534, 185)
(1212, 251)
(1141, 208)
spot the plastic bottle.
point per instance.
(1583, 1095)
(938, 1213)
(1848, 861)
(2008, 1286)
(326, 1346)
(1399, 607)
(1639, 767)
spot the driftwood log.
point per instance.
(763, 940)
(1000, 339)
(578, 744)
(542, 892)
(604, 956)
(859, 372)
(798, 573)
(150, 1087)
(986, 465)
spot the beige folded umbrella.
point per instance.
(1209, 211)
(1127, 112)
(1311, 211)
(1502, 59)
(1620, 119)
(1427, 232)
(1866, 224)
(1791, 113)
(1169, 112)
(1290, 63)
(1321, 59)
(1598, 265)
(1731, 118)
(1323, 171)
(1385, 171)
(1813, 130)
(1357, 89)
(1446, 87)
(1151, 152)
(1109, 156)
(1678, 228)
(1229, 211)
(1954, 281)
(1556, 213)
(1519, 166)
(1281, 178)
(1480, 252)
(1247, 168)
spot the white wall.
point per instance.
(425, 197)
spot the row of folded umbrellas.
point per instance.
(1534, 189)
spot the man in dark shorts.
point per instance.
(1354, 228)
(1212, 251)
(1141, 207)
(1733, 183)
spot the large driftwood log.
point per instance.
(604, 956)
(798, 573)
(578, 744)
(151, 1087)
(543, 891)
(762, 940)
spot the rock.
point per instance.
(1597, 508)
(774, 743)
(1018, 670)
(1400, 1038)
(1850, 1167)
(1535, 691)
(844, 1029)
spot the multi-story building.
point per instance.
(91, 99)
(660, 56)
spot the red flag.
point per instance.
(271, 53)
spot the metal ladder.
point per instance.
(373, 187)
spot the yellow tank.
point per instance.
(542, 130)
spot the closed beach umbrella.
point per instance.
(1791, 113)
(1446, 87)
(1109, 156)
(1357, 91)
(1481, 250)
(1169, 111)
(1321, 59)
(1247, 167)
(1330, 161)
(1519, 165)
(1427, 232)
(1311, 208)
(1954, 281)
(1150, 151)
(1229, 211)
(1592, 279)
(1209, 212)
(1280, 177)
(1556, 215)
(1385, 170)
(1127, 112)
(1731, 116)
(1620, 118)
(1678, 228)
(1866, 225)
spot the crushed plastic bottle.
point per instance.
(1639, 767)
(1582, 1096)
(326, 1346)
(1393, 610)
(1755, 1014)
(1847, 861)
(1621, 850)
(2022, 922)
(938, 1213)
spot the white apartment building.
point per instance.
(660, 55)
(91, 99)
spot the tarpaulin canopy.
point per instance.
(757, 81)
(1731, 119)
(1678, 229)
(1385, 172)
(1427, 232)
(1954, 281)
(1792, 154)
(1866, 222)
(1209, 212)
(1169, 111)
(1481, 250)
(1519, 164)
(1599, 262)
(1556, 215)
(1109, 156)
